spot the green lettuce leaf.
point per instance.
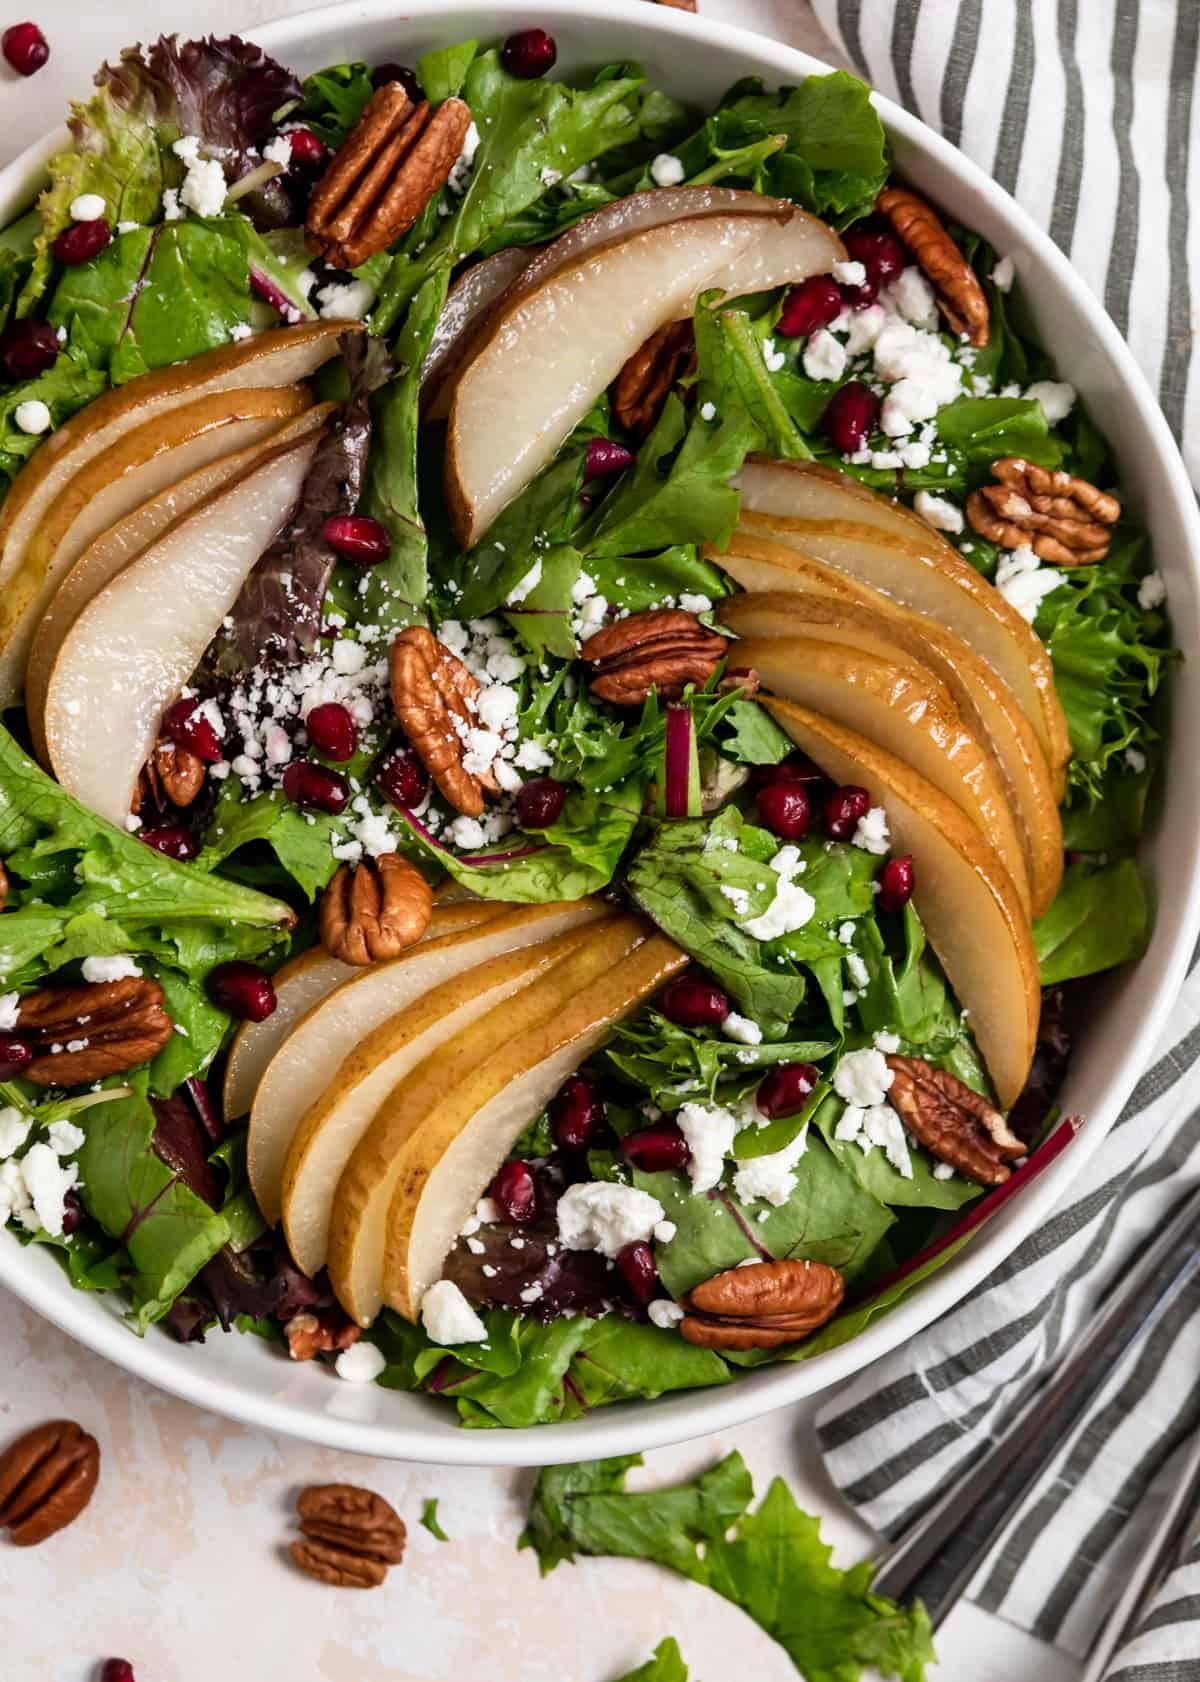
(1099, 919)
(666, 1666)
(64, 389)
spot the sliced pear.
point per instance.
(306, 1062)
(275, 358)
(103, 559)
(919, 569)
(902, 710)
(549, 355)
(963, 893)
(135, 646)
(333, 1126)
(302, 983)
(866, 620)
(451, 1156)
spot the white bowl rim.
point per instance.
(690, 1414)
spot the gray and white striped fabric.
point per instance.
(1084, 110)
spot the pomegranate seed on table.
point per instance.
(82, 241)
(577, 1114)
(188, 728)
(27, 349)
(540, 802)
(528, 54)
(173, 840)
(25, 48)
(877, 249)
(814, 303)
(657, 1148)
(785, 1090)
(637, 1267)
(403, 779)
(514, 1192)
(392, 72)
(605, 456)
(692, 1003)
(332, 731)
(783, 808)
(117, 1670)
(851, 416)
(895, 883)
(316, 787)
(243, 990)
(358, 538)
(843, 809)
(15, 1056)
(308, 152)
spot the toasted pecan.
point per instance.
(170, 777)
(645, 382)
(374, 910)
(663, 649)
(47, 1478)
(954, 1123)
(960, 297)
(1064, 520)
(434, 696)
(80, 1034)
(761, 1307)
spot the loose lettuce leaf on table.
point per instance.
(770, 1562)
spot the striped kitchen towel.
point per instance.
(1086, 113)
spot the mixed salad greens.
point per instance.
(203, 156)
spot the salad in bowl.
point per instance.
(579, 703)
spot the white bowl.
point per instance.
(699, 59)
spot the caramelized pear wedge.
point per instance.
(963, 894)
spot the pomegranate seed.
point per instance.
(656, 1149)
(316, 787)
(117, 1670)
(783, 807)
(173, 840)
(15, 1056)
(27, 349)
(850, 418)
(691, 1003)
(605, 456)
(403, 779)
(877, 249)
(81, 242)
(25, 48)
(306, 150)
(528, 54)
(638, 1269)
(577, 1114)
(860, 297)
(332, 731)
(73, 1213)
(407, 79)
(814, 303)
(358, 538)
(895, 883)
(843, 809)
(785, 1090)
(188, 728)
(514, 1192)
(540, 803)
(243, 990)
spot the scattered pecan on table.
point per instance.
(761, 1307)
(918, 227)
(393, 161)
(373, 910)
(645, 382)
(663, 649)
(953, 1123)
(350, 1536)
(170, 777)
(80, 1034)
(431, 693)
(1064, 520)
(47, 1478)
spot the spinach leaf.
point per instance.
(986, 428)
(1099, 919)
(875, 1174)
(678, 1065)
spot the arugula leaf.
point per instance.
(544, 514)
(734, 379)
(429, 1519)
(1099, 919)
(771, 1562)
(666, 1666)
(333, 100)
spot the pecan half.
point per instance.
(47, 1478)
(309, 1335)
(1064, 520)
(434, 697)
(955, 1124)
(170, 777)
(373, 911)
(960, 297)
(81, 1034)
(383, 175)
(663, 649)
(351, 1535)
(644, 383)
(762, 1307)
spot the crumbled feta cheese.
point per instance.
(917, 366)
(708, 411)
(530, 757)
(943, 1171)
(664, 1314)
(666, 170)
(863, 1077)
(241, 330)
(172, 209)
(128, 227)
(773, 358)
(362, 1363)
(88, 207)
(526, 585)
(550, 177)
(863, 328)
(914, 298)
(739, 898)
(32, 416)
(846, 933)
(850, 273)
(871, 832)
(1152, 591)
(1023, 581)
(825, 356)
(64, 1138)
(710, 1130)
(350, 302)
(606, 1216)
(14, 1130)
(741, 1028)
(770, 1179)
(694, 603)
(1003, 275)
(118, 968)
(888, 1043)
(203, 190)
(940, 512)
(1056, 398)
(10, 1004)
(14, 1195)
(47, 1182)
(448, 1317)
(460, 174)
(467, 834)
(664, 1232)
(278, 150)
(876, 1125)
(1136, 760)
(792, 906)
(857, 970)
